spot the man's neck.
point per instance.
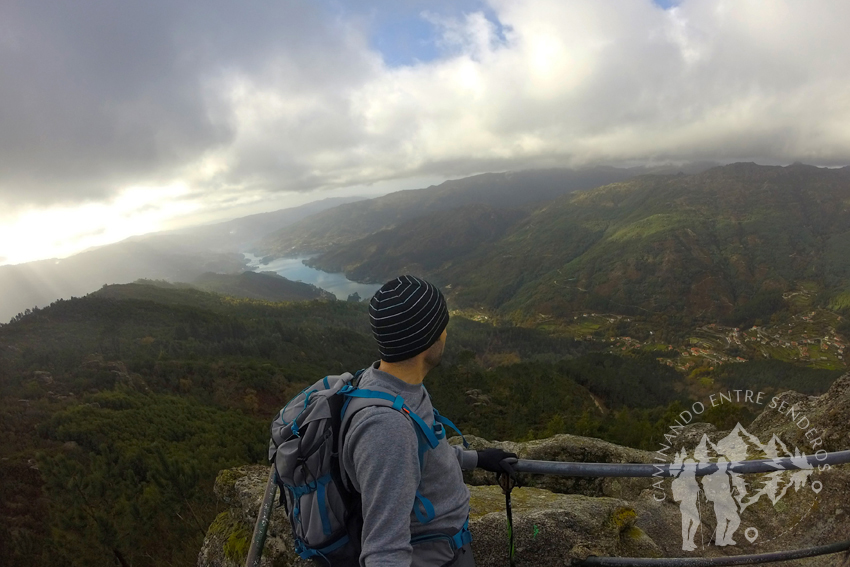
(410, 371)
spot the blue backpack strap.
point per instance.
(306, 403)
(397, 403)
(446, 421)
(426, 431)
(283, 421)
(463, 537)
(426, 437)
(425, 504)
(308, 552)
(458, 540)
(323, 503)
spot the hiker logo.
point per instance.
(713, 498)
(727, 492)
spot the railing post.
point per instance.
(263, 516)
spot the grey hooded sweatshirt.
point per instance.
(381, 460)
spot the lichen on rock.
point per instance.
(549, 528)
(553, 529)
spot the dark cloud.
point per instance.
(96, 94)
(231, 98)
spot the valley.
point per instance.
(601, 312)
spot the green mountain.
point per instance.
(239, 234)
(118, 409)
(346, 223)
(713, 245)
(690, 246)
(421, 245)
(262, 286)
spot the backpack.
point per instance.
(305, 447)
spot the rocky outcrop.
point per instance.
(549, 528)
(229, 536)
(559, 520)
(554, 529)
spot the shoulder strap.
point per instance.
(438, 418)
(381, 398)
(443, 420)
(359, 398)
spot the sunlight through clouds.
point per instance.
(60, 231)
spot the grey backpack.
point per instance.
(306, 441)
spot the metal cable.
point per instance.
(715, 561)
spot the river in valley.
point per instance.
(294, 269)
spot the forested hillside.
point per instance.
(513, 189)
(117, 410)
(421, 245)
(267, 286)
(700, 247)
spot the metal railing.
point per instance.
(755, 559)
(673, 469)
(635, 470)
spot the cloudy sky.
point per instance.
(125, 117)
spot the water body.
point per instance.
(293, 269)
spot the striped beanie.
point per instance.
(408, 315)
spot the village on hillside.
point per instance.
(807, 336)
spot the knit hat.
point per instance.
(408, 315)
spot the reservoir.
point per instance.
(293, 269)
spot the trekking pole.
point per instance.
(262, 525)
(507, 483)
